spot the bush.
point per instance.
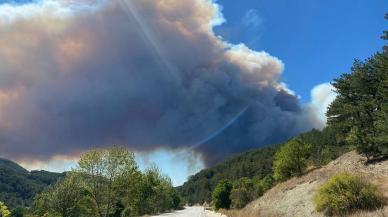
(242, 193)
(221, 195)
(344, 193)
(291, 159)
(18, 212)
(4, 210)
(246, 190)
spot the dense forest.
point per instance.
(18, 186)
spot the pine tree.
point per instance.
(382, 96)
(385, 34)
(359, 113)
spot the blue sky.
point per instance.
(316, 39)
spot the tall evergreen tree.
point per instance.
(382, 96)
(385, 34)
(360, 111)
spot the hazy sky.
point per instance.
(184, 84)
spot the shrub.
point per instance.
(18, 212)
(291, 159)
(246, 190)
(4, 210)
(242, 193)
(221, 195)
(344, 193)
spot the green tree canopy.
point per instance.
(221, 195)
(291, 159)
(359, 113)
(103, 172)
(67, 198)
(107, 183)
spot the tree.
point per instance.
(359, 113)
(221, 195)
(385, 34)
(243, 192)
(4, 210)
(66, 198)
(157, 193)
(291, 159)
(108, 183)
(360, 110)
(382, 97)
(103, 172)
(18, 212)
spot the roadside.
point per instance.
(194, 211)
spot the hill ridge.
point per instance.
(18, 186)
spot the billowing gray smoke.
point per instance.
(142, 73)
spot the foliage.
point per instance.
(360, 112)
(242, 193)
(385, 34)
(246, 190)
(291, 159)
(18, 212)
(4, 210)
(157, 194)
(221, 195)
(255, 163)
(324, 145)
(108, 183)
(103, 172)
(67, 198)
(18, 186)
(344, 193)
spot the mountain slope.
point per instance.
(295, 196)
(257, 163)
(18, 186)
(254, 163)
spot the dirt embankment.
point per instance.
(294, 198)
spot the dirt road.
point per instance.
(194, 211)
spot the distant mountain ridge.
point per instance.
(18, 186)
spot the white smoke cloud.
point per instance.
(322, 96)
(142, 73)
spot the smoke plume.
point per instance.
(147, 74)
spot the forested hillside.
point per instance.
(18, 186)
(253, 163)
(257, 164)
